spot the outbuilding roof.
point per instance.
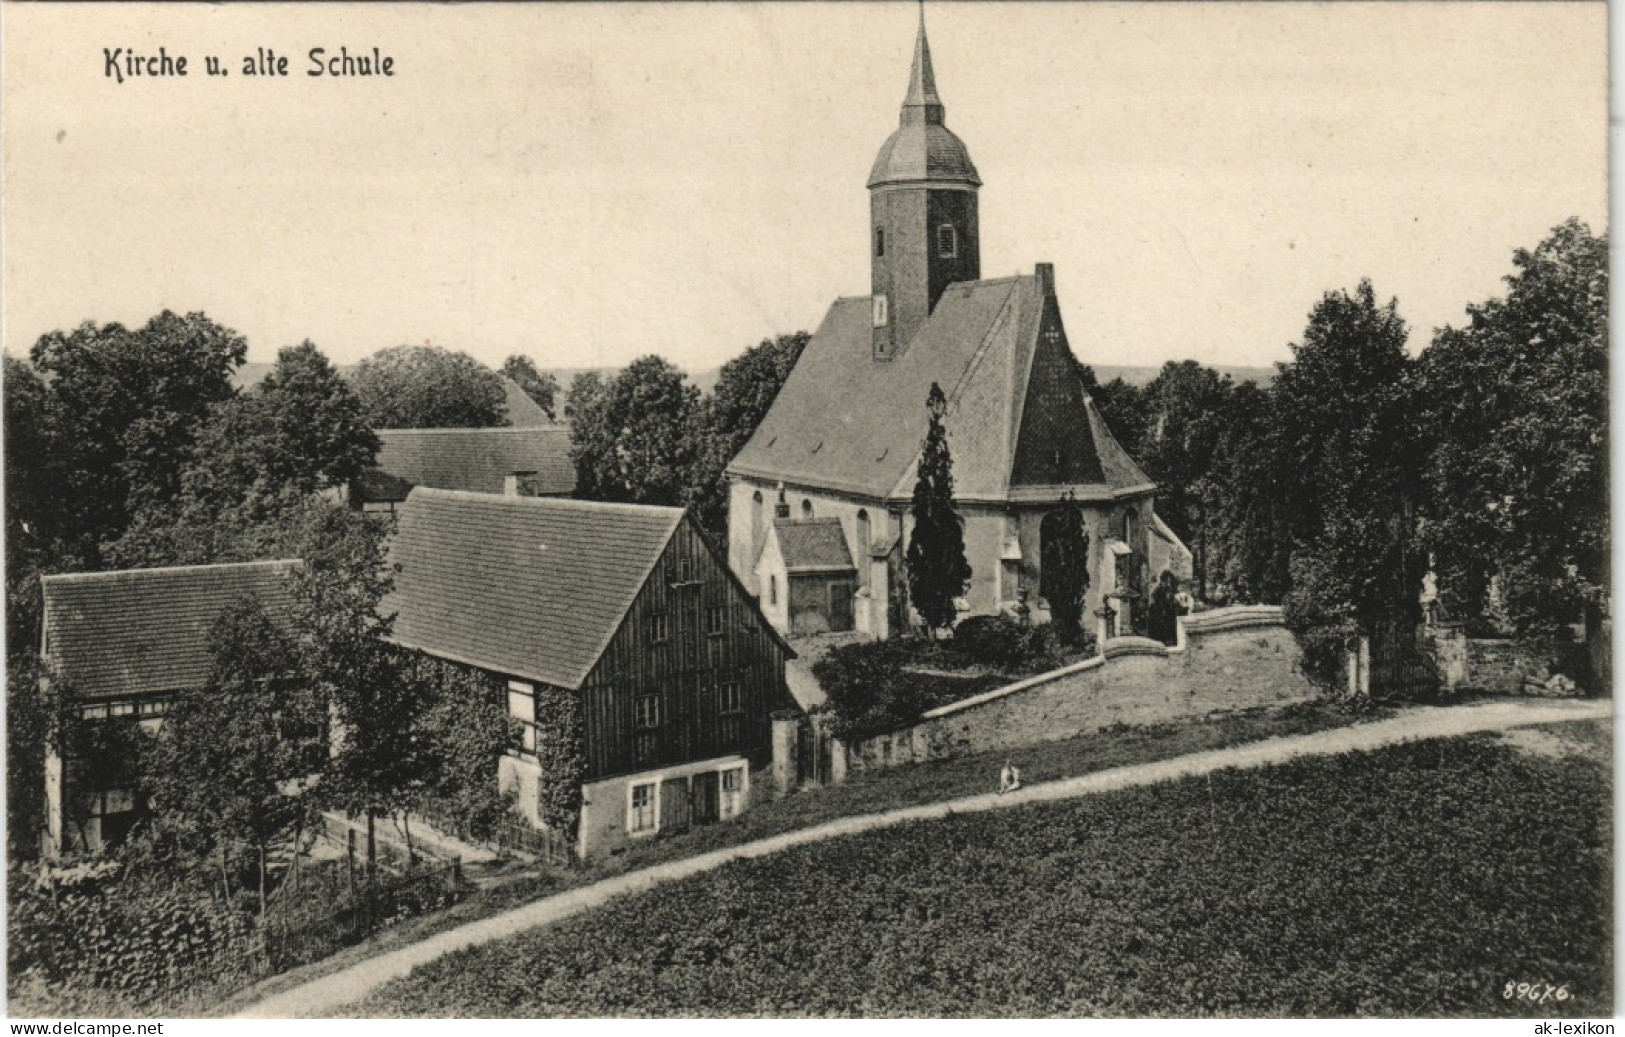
(534, 587)
(146, 631)
(813, 545)
(478, 459)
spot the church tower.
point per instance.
(922, 213)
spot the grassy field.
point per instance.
(867, 793)
(1419, 880)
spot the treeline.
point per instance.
(1334, 489)
(133, 448)
(647, 436)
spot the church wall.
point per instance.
(745, 536)
(1233, 659)
(986, 528)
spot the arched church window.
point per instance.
(947, 241)
(806, 508)
(772, 589)
(880, 241)
(756, 520)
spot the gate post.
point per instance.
(786, 726)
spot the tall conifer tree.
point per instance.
(937, 570)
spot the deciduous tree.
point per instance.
(1516, 407)
(234, 754)
(635, 438)
(429, 387)
(1344, 460)
(125, 409)
(300, 429)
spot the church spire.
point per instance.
(922, 103)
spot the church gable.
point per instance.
(1056, 445)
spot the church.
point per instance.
(819, 498)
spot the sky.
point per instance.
(590, 183)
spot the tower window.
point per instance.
(947, 241)
(806, 510)
(880, 241)
(880, 315)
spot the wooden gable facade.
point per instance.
(623, 617)
(692, 673)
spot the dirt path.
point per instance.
(322, 996)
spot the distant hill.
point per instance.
(1142, 376)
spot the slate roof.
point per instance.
(534, 587)
(144, 631)
(813, 545)
(478, 459)
(847, 423)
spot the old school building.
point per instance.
(841, 441)
(640, 674)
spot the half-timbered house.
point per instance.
(640, 674)
(118, 648)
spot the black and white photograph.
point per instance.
(948, 510)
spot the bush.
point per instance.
(88, 928)
(996, 640)
(1013, 646)
(869, 692)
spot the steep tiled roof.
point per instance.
(529, 586)
(523, 412)
(141, 631)
(479, 459)
(813, 545)
(847, 423)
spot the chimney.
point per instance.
(781, 510)
(1045, 273)
(518, 484)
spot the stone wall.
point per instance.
(1500, 665)
(1228, 659)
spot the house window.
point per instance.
(731, 785)
(643, 808)
(98, 712)
(716, 617)
(947, 242)
(646, 724)
(880, 241)
(806, 508)
(522, 709)
(659, 628)
(730, 699)
(646, 712)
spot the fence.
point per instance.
(508, 834)
(331, 916)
